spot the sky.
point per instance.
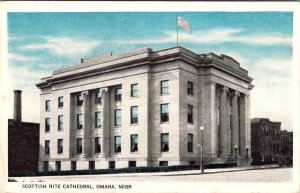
(261, 42)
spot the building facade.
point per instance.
(23, 141)
(269, 143)
(144, 108)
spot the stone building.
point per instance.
(269, 143)
(144, 108)
(23, 141)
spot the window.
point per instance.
(190, 142)
(118, 117)
(91, 165)
(73, 165)
(190, 88)
(47, 147)
(132, 164)
(134, 143)
(192, 162)
(134, 90)
(60, 122)
(112, 164)
(164, 87)
(98, 119)
(163, 163)
(47, 124)
(97, 145)
(47, 105)
(79, 100)
(118, 93)
(79, 145)
(60, 102)
(57, 165)
(79, 121)
(117, 144)
(190, 114)
(46, 166)
(164, 112)
(60, 146)
(97, 97)
(134, 115)
(164, 142)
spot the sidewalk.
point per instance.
(173, 173)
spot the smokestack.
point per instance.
(18, 105)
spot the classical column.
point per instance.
(243, 125)
(248, 127)
(234, 120)
(224, 123)
(210, 132)
(86, 124)
(105, 123)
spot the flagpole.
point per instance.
(177, 28)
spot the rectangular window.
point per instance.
(134, 115)
(98, 119)
(164, 112)
(97, 145)
(57, 165)
(190, 114)
(47, 105)
(134, 143)
(79, 100)
(46, 166)
(79, 121)
(163, 163)
(60, 102)
(97, 97)
(118, 93)
(60, 146)
(118, 117)
(79, 145)
(47, 147)
(47, 124)
(164, 142)
(134, 90)
(117, 144)
(73, 165)
(132, 164)
(190, 89)
(190, 142)
(91, 165)
(112, 164)
(164, 87)
(60, 122)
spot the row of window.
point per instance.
(111, 165)
(164, 89)
(117, 142)
(118, 118)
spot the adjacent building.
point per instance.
(145, 108)
(269, 143)
(23, 141)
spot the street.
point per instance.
(258, 175)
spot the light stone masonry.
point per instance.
(219, 98)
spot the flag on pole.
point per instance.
(184, 24)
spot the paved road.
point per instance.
(262, 175)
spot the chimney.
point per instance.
(18, 105)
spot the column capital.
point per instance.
(85, 92)
(224, 89)
(235, 93)
(210, 82)
(103, 89)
